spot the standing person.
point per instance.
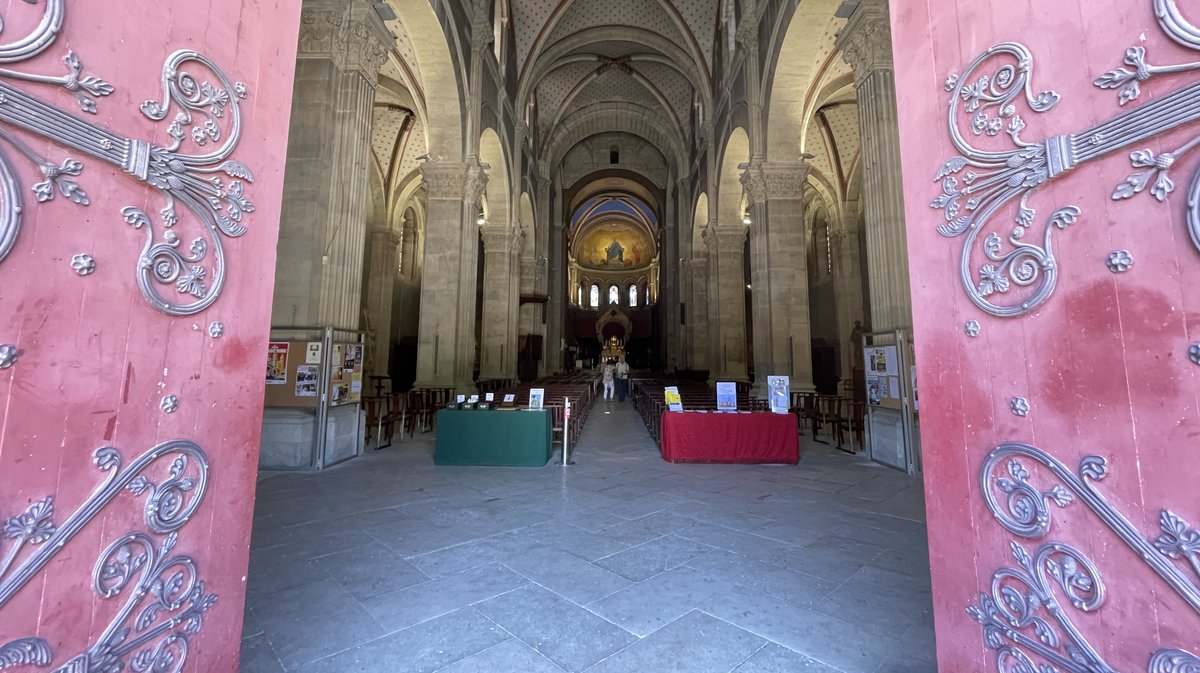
(622, 379)
(609, 373)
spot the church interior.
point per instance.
(502, 199)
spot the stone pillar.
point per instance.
(318, 281)
(381, 279)
(498, 347)
(779, 274)
(549, 209)
(668, 284)
(697, 313)
(446, 339)
(866, 44)
(727, 300)
(847, 271)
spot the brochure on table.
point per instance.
(726, 396)
(537, 398)
(674, 403)
(778, 388)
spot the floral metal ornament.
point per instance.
(972, 328)
(1119, 261)
(1193, 354)
(165, 600)
(1019, 406)
(8, 355)
(997, 170)
(1024, 619)
(181, 268)
(83, 264)
(216, 330)
(169, 404)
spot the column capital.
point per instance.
(481, 32)
(725, 237)
(350, 34)
(386, 235)
(500, 239)
(453, 180)
(747, 32)
(521, 131)
(866, 39)
(775, 180)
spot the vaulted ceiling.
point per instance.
(654, 55)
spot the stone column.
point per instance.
(697, 313)
(668, 284)
(848, 286)
(558, 288)
(779, 274)
(446, 339)
(727, 298)
(498, 346)
(866, 44)
(381, 279)
(318, 281)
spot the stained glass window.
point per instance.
(614, 295)
(633, 298)
(595, 296)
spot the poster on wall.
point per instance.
(312, 354)
(277, 363)
(726, 396)
(882, 360)
(780, 394)
(877, 389)
(306, 381)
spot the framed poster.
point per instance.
(537, 398)
(306, 380)
(779, 392)
(726, 396)
(671, 395)
(277, 363)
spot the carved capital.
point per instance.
(866, 40)
(747, 33)
(725, 237)
(754, 184)
(499, 239)
(453, 180)
(481, 33)
(521, 131)
(785, 180)
(323, 31)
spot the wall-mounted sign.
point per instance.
(277, 363)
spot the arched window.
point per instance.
(647, 295)
(595, 296)
(633, 296)
(614, 294)
(614, 155)
(579, 294)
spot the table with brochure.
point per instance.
(737, 437)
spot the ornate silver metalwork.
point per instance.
(8, 355)
(1012, 616)
(25, 652)
(1019, 406)
(216, 330)
(1193, 354)
(1119, 261)
(983, 179)
(206, 115)
(169, 404)
(165, 601)
(972, 328)
(83, 264)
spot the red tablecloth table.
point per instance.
(761, 437)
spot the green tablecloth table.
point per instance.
(513, 438)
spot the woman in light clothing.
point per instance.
(609, 372)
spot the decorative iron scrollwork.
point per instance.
(1013, 614)
(165, 600)
(1020, 272)
(201, 179)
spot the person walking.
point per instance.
(622, 380)
(609, 374)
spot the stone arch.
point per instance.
(614, 117)
(442, 102)
(496, 197)
(729, 194)
(699, 222)
(798, 66)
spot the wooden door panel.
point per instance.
(1059, 373)
(131, 388)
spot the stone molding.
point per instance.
(387, 235)
(866, 40)
(498, 239)
(453, 180)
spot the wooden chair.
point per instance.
(856, 422)
(829, 414)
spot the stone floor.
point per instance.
(621, 563)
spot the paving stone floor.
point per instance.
(621, 563)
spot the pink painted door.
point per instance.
(141, 154)
(1052, 200)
